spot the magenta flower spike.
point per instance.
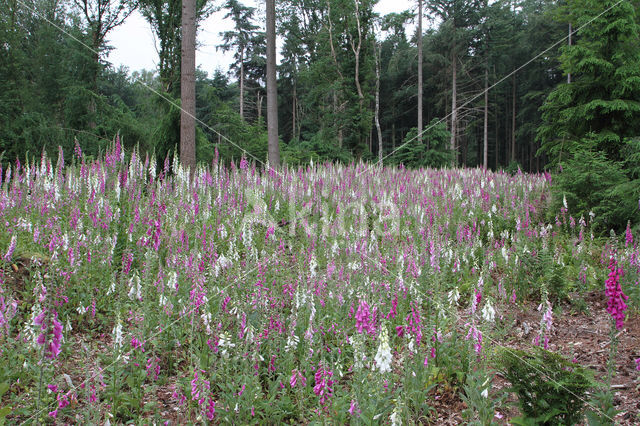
(616, 305)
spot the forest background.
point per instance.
(529, 86)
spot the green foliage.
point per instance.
(513, 168)
(433, 151)
(233, 136)
(590, 124)
(542, 271)
(4, 410)
(321, 147)
(592, 182)
(600, 107)
(49, 83)
(603, 409)
(551, 390)
(481, 407)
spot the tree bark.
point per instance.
(294, 101)
(569, 74)
(485, 145)
(242, 83)
(337, 109)
(258, 106)
(393, 136)
(188, 86)
(513, 119)
(497, 126)
(419, 71)
(356, 51)
(96, 41)
(454, 111)
(333, 50)
(272, 90)
(376, 52)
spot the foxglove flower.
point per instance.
(11, 249)
(616, 304)
(353, 407)
(117, 334)
(453, 296)
(383, 355)
(225, 343)
(7, 312)
(488, 313)
(324, 384)
(292, 343)
(363, 317)
(395, 418)
(135, 290)
(477, 336)
(297, 377)
(211, 409)
(51, 333)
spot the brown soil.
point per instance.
(584, 338)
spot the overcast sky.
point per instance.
(134, 45)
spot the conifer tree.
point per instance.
(601, 105)
(591, 125)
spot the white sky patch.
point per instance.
(134, 45)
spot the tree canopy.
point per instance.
(347, 83)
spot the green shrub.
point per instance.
(551, 390)
(320, 148)
(433, 151)
(592, 182)
(540, 270)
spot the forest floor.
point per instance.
(580, 332)
(581, 335)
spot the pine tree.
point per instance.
(601, 105)
(272, 91)
(188, 86)
(591, 125)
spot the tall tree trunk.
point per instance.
(188, 86)
(497, 125)
(485, 145)
(258, 106)
(419, 71)
(454, 111)
(376, 52)
(507, 129)
(513, 119)
(294, 101)
(242, 83)
(356, 51)
(337, 110)
(272, 90)
(95, 55)
(334, 56)
(393, 136)
(532, 153)
(569, 74)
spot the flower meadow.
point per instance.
(352, 293)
